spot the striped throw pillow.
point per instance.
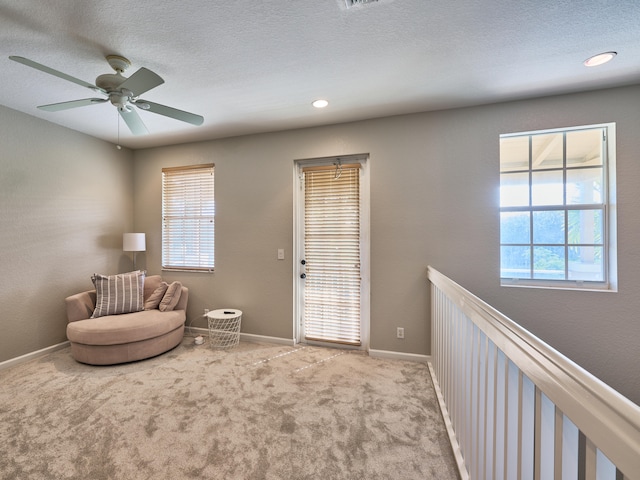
(116, 294)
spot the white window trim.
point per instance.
(611, 282)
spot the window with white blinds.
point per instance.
(332, 254)
(188, 213)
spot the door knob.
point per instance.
(303, 275)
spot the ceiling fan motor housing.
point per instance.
(119, 100)
(110, 83)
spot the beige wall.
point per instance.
(434, 184)
(65, 199)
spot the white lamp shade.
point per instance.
(133, 242)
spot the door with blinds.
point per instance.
(331, 253)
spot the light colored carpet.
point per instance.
(258, 411)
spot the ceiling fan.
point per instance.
(122, 92)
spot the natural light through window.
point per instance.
(557, 224)
(188, 218)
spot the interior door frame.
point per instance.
(298, 245)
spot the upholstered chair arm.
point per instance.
(184, 298)
(81, 305)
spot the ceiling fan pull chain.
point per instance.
(118, 120)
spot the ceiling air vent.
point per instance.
(355, 3)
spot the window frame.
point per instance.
(182, 186)
(607, 206)
(365, 266)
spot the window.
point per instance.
(188, 211)
(557, 227)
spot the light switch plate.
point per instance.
(281, 254)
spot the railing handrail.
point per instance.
(610, 420)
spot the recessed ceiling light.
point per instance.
(320, 103)
(599, 59)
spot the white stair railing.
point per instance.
(515, 408)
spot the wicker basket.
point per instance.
(224, 328)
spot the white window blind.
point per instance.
(332, 254)
(188, 213)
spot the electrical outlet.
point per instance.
(206, 310)
(400, 332)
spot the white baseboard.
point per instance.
(453, 439)
(411, 357)
(196, 331)
(249, 337)
(246, 337)
(27, 357)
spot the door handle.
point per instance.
(303, 275)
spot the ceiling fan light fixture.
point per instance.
(599, 59)
(320, 103)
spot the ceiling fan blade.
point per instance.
(133, 121)
(181, 115)
(55, 73)
(141, 81)
(56, 107)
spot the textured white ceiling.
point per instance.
(256, 66)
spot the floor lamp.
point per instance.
(133, 242)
